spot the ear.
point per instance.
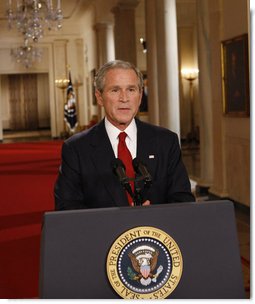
(141, 95)
(99, 98)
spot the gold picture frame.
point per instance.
(235, 76)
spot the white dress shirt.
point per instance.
(131, 139)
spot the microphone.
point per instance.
(120, 170)
(141, 169)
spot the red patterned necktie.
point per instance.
(125, 155)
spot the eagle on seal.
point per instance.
(144, 266)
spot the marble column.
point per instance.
(82, 109)
(105, 49)
(167, 65)
(205, 98)
(105, 43)
(60, 70)
(152, 71)
(124, 30)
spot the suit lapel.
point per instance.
(146, 147)
(102, 157)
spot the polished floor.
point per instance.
(191, 158)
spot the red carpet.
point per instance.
(27, 175)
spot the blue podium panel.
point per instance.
(75, 246)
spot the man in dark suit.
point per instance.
(86, 177)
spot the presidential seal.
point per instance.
(144, 263)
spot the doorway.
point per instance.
(25, 104)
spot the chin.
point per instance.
(125, 120)
(122, 124)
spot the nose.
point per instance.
(123, 96)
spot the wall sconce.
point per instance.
(143, 43)
(62, 83)
(190, 74)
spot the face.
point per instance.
(121, 96)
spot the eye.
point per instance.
(115, 90)
(132, 90)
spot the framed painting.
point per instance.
(235, 76)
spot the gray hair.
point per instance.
(99, 80)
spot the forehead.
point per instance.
(121, 76)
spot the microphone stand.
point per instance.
(137, 195)
(143, 175)
(138, 199)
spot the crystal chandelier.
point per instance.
(26, 54)
(32, 16)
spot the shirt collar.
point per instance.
(113, 132)
(131, 139)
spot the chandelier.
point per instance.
(26, 54)
(31, 18)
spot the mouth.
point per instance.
(124, 109)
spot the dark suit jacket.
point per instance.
(86, 178)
